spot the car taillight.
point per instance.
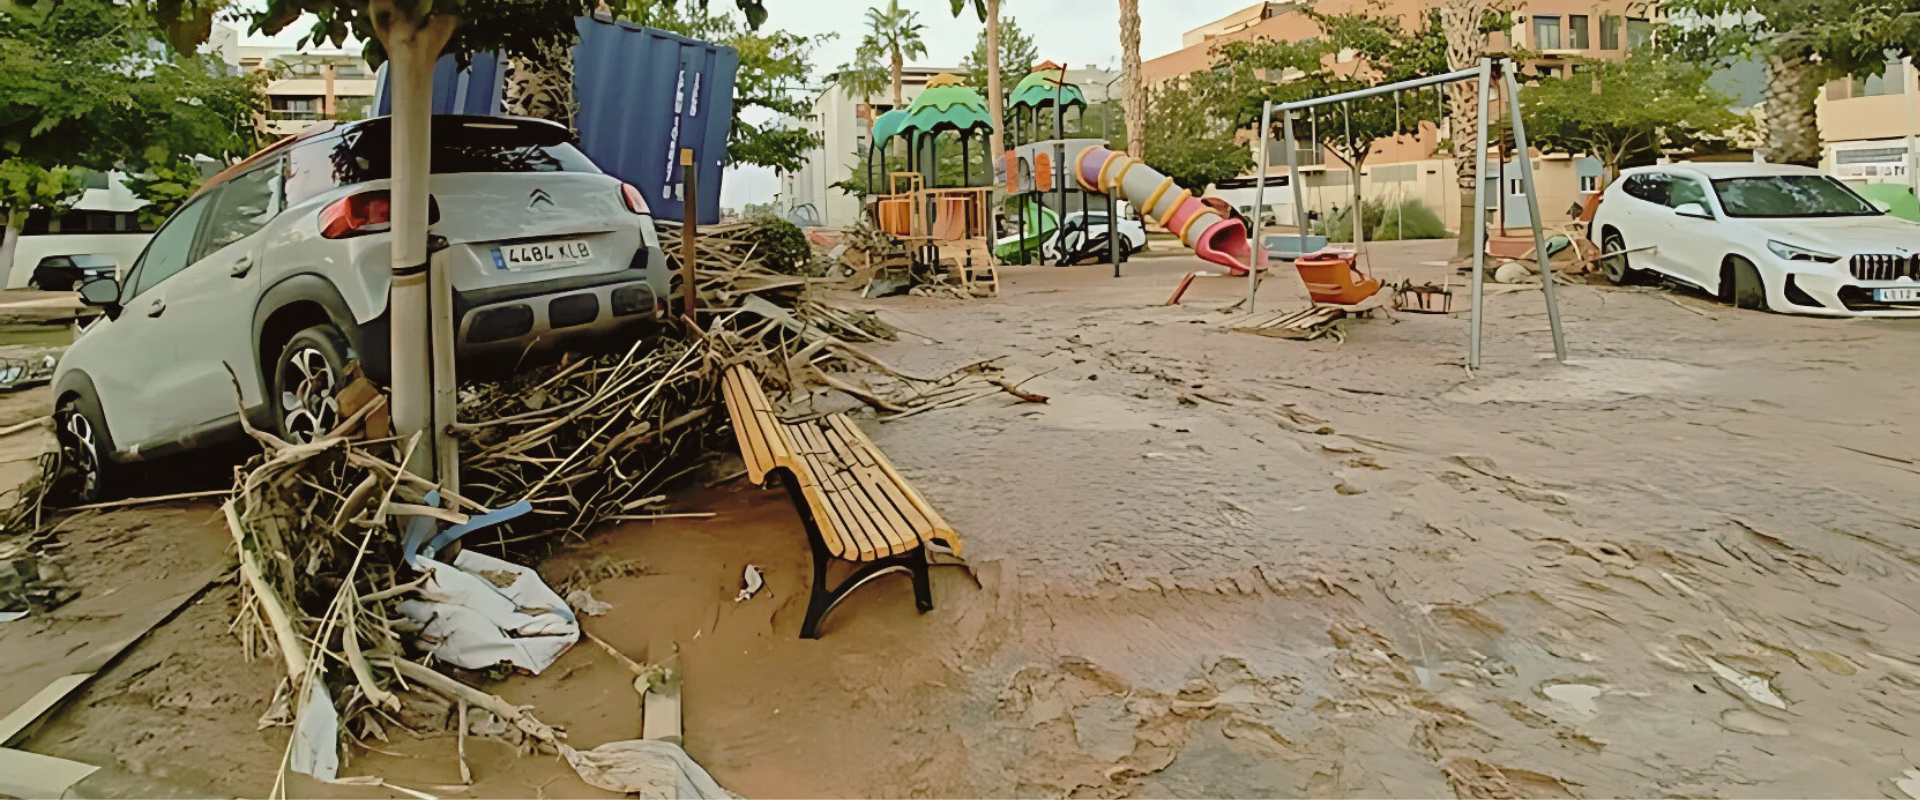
(364, 213)
(635, 202)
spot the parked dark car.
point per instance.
(66, 273)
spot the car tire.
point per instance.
(1743, 286)
(85, 444)
(307, 378)
(1617, 269)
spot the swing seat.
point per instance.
(1332, 276)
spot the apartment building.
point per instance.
(303, 86)
(1866, 125)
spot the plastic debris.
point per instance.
(650, 768)
(751, 581)
(486, 611)
(584, 602)
(1756, 688)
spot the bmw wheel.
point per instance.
(307, 379)
(84, 445)
(1746, 289)
(1615, 267)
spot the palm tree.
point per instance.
(1134, 104)
(989, 11)
(1461, 22)
(893, 34)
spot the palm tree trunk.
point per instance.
(1135, 105)
(898, 66)
(996, 104)
(1460, 23)
(9, 244)
(1793, 130)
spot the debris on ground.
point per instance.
(750, 583)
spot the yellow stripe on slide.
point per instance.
(1154, 199)
(1104, 166)
(1175, 208)
(1119, 180)
(1189, 225)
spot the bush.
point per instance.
(1410, 219)
(779, 244)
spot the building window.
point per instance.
(1639, 33)
(1589, 183)
(1515, 186)
(1546, 32)
(1610, 32)
(1577, 32)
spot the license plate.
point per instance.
(1901, 295)
(540, 255)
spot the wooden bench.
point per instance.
(856, 506)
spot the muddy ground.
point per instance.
(1686, 563)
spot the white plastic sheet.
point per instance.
(650, 768)
(482, 611)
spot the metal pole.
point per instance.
(1533, 212)
(1479, 217)
(1361, 94)
(1293, 177)
(1255, 247)
(966, 162)
(689, 230)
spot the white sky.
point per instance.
(1079, 33)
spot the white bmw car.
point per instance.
(1770, 236)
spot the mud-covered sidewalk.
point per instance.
(1217, 564)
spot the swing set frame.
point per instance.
(1485, 74)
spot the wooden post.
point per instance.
(689, 228)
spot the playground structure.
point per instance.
(947, 230)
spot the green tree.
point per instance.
(1804, 43)
(893, 36)
(87, 84)
(1017, 55)
(1625, 112)
(1191, 131)
(775, 67)
(25, 186)
(164, 187)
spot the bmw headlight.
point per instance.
(1793, 253)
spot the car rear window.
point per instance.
(95, 261)
(363, 152)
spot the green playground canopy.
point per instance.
(1043, 87)
(945, 105)
(886, 126)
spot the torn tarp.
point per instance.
(480, 611)
(649, 768)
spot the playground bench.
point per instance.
(856, 507)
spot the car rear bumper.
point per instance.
(504, 329)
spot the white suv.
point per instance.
(278, 270)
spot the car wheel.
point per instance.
(1746, 289)
(1616, 268)
(34, 284)
(84, 443)
(307, 379)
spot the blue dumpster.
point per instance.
(643, 93)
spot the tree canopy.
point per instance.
(1017, 55)
(89, 84)
(1625, 112)
(1190, 131)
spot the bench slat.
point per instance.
(880, 491)
(754, 448)
(763, 439)
(861, 518)
(940, 530)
